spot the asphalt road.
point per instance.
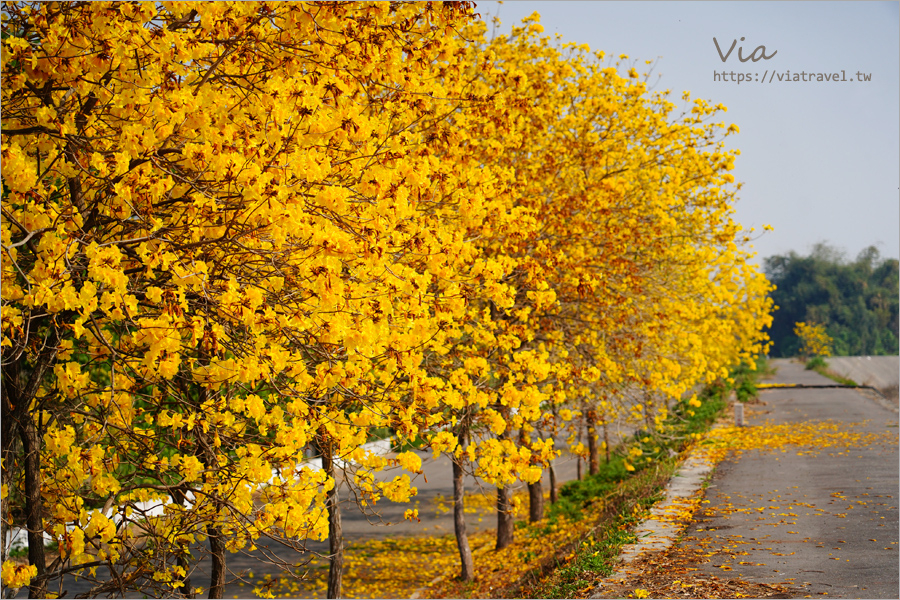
(825, 523)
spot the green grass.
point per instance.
(684, 421)
(816, 363)
(820, 366)
(837, 378)
(598, 552)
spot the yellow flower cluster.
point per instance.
(17, 575)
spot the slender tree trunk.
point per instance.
(182, 561)
(335, 532)
(553, 497)
(4, 508)
(504, 518)
(593, 449)
(16, 394)
(535, 501)
(578, 464)
(504, 506)
(606, 440)
(34, 506)
(216, 537)
(648, 412)
(217, 551)
(467, 572)
(535, 490)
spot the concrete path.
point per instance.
(824, 522)
(820, 521)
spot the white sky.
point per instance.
(820, 161)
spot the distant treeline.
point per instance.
(856, 301)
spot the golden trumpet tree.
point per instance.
(225, 238)
(634, 244)
(491, 379)
(814, 340)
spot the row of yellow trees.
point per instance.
(233, 233)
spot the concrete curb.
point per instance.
(668, 519)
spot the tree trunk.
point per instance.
(578, 464)
(606, 440)
(4, 508)
(593, 449)
(467, 572)
(34, 506)
(17, 390)
(553, 497)
(535, 501)
(504, 506)
(182, 560)
(216, 537)
(217, 550)
(335, 532)
(504, 519)
(535, 490)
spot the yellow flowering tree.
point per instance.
(814, 341)
(220, 247)
(632, 284)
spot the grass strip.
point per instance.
(820, 366)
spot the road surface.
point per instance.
(824, 522)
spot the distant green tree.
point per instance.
(857, 301)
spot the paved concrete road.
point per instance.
(826, 523)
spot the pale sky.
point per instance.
(820, 161)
